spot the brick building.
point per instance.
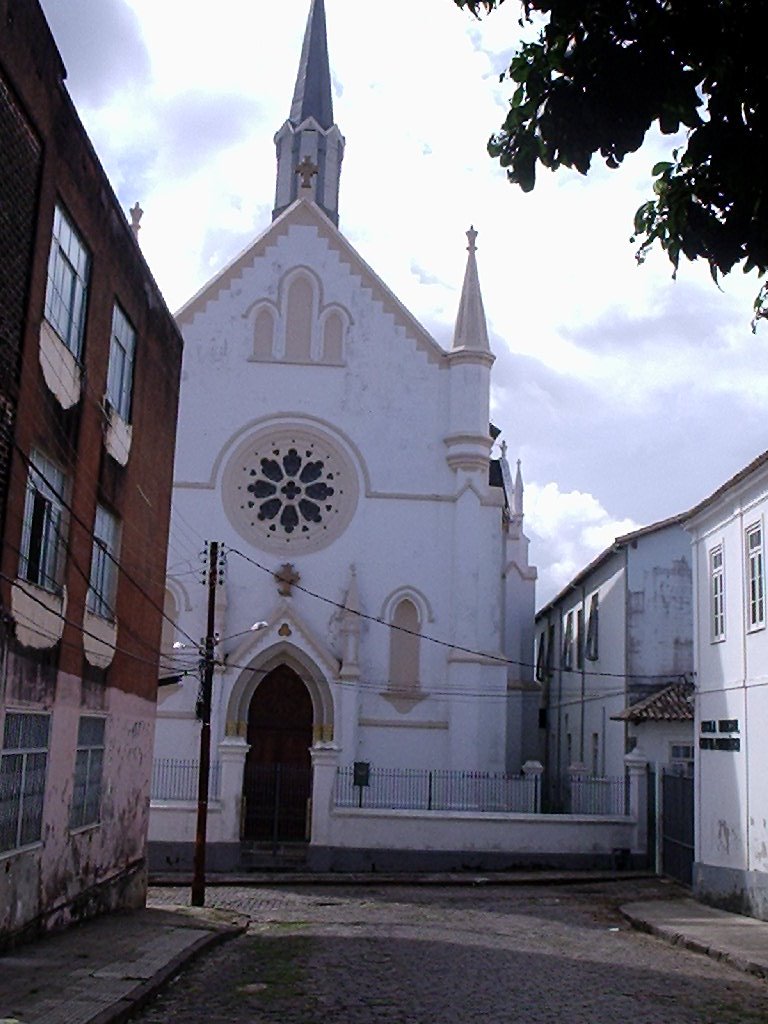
(89, 371)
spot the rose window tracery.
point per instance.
(291, 491)
(290, 488)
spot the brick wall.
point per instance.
(19, 176)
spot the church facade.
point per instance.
(375, 602)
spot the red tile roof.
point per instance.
(672, 704)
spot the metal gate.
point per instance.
(677, 825)
(276, 802)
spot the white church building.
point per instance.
(371, 528)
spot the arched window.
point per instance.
(298, 320)
(264, 334)
(404, 647)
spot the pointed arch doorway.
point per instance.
(278, 775)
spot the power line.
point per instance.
(443, 643)
(89, 532)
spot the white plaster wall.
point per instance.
(419, 524)
(505, 833)
(654, 739)
(732, 674)
(660, 600)
(581, 703)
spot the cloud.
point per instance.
(569, 529)
(424, 276)
(102, 47)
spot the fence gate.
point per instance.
(276, 802)
(677, 825)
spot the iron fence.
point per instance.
(587, 794)
(437, 790)
(173, 779)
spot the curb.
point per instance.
(262, 879)
(675, 938)
(140, 995)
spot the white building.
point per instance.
(619, 631)
(343, 458)
(731, 654)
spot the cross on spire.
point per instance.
(307, 169)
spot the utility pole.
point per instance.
(206, 689)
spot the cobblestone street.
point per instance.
(450, 955)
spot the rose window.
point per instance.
(290, 489)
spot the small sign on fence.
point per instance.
(361, 773)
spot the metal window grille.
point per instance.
(43, 515)
(121, 356)
(755, 578)
(89, 764)
(103, 579)
(23, 763)
(175, 779)
(66, 291)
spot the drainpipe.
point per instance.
(583, 680)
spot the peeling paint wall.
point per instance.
(72, 873)
(659, 610)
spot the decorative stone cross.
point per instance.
(136, 213)
(287, 577)
(307, 169)
(471, 238)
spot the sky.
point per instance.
(628, 396)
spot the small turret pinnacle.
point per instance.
(471, 331)
(517, 494)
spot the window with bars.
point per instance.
(23, 763)
(89, 764)
(568, 641)
(591, 647)
(122, 351)
(580, 638)
(717, 594)
(755, 577)
(41, 535)
(541, 657)
(103, 581)
(69, 266)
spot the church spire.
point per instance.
(471, 331)
(309, 145)
(312, 95)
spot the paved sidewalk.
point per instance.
(739, 941)
(100, 971)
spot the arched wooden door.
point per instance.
(277, 780)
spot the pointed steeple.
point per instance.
(312, 96)
(310, 146)
(471, 331)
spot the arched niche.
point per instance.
(300, 316)
(405, 648)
